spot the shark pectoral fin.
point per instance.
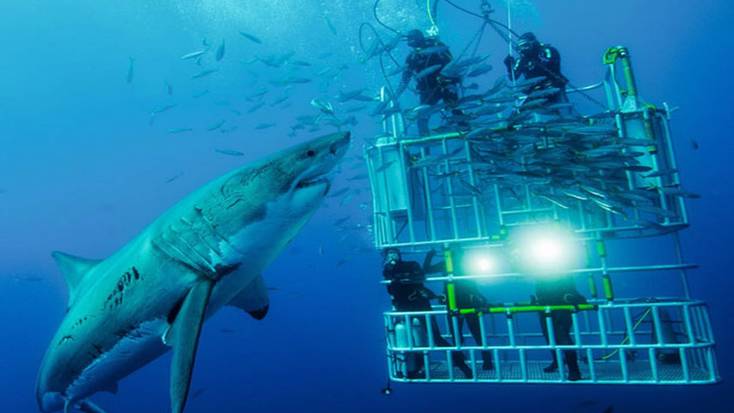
(184, 337)
(74, 269)
(88, 407)
(253, 299)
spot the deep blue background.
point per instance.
(82, 171)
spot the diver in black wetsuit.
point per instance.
(408, 293)
(560, 290)
(467, 296)
(424, 64)
(538, 60)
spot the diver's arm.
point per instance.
(553, 60)
(552, 65)
(427, 260)
(405, 80)
(514, 66)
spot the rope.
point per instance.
(627, 338)
(464, 10)
(509, 38)
(374, 13)
(513, 44)
(386, 78)
(478, 35)
(434, 26)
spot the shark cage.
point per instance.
(539, 193)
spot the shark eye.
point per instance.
(311, 153)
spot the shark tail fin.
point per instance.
(74, 269)
(184, 337)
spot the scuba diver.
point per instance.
(467, 295)
(408, 293)
(559, 290)
(538, 60)
(424, 64)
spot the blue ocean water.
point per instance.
(83, 169)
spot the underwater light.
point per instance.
(480, 262)
(547, 249)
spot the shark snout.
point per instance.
(324, 154)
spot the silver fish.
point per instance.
(130, 70)
(216, 126)
(163, 109)
(323, 106)
(220, 52)
(480, 70)
(255, 107)
(427, 71)
(251, 37)
(204, 73)
(229, 152)
(179, 130)
(338, 193)
(193, 55)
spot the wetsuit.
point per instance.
(408, 293)
(559, 291)
(468, 296)
(543, 61)
(433, 87)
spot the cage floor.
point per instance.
(638, 372)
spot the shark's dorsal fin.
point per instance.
(74, 269)
(253, 299)
(183, 335)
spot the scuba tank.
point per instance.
(407, 363)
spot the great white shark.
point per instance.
(153, 294)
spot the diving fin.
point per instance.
(184, 337)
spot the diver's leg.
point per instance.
(553, 366)
(457, 357)
(427, 97)
(450, 95)
(562, 324)
(472, 321)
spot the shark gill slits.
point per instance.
(136, 274)
(236, 201)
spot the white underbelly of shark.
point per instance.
(154, 294)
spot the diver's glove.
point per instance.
(509, 62)
(574, 299)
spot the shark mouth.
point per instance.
(306, 183)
